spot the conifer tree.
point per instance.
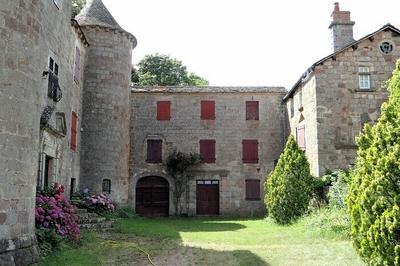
(374, 196)
(289, 187)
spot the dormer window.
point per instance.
(364, 78)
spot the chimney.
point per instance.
(341, 28)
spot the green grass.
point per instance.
(210, 241)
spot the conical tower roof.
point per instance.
(95, 13)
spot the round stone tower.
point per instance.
(106, 103)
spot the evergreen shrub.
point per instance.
(289, 187)
(374, 196)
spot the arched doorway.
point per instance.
(152, 196)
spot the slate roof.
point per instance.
(333, 56)
(206, 89)
(95, 13)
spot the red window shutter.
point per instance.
(207, 150)
(163, 110)
(207, 110)
(154, 151)
(77, 68)
(301, 137)
(250, 151)
(253, 189)
(252, 110)
(74, 131)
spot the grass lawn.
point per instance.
(208, 241)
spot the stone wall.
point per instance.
(30, 32)
(106, 111)
(229, 128)
(342, 107)
(303, 106)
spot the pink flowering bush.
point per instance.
(55, 217)
(100, 203)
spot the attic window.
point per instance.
(386, 47)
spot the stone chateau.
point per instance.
(69, 115)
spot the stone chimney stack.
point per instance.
(341, 28)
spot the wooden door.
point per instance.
(207, 197)
(152, 196)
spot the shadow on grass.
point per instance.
(172, 227)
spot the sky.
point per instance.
(244, 42)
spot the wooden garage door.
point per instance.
(207, 197)
(152, 196)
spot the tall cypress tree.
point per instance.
(289, 187)
(374, 196)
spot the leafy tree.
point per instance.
(177, 165)
(134, 76)
(289, 187)
(77, 6)
(165, 71)
(374, 196)
(195, 80)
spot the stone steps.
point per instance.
(93, 221)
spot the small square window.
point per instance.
(364, 78)
(301, 137)
(253, 189)
(207, 150)
(207, 110)
(163, 110)
(106, 186)
(154, 151)
(250, 151)
(252, 110)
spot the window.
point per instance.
(53, 66)
(48, 171)
(291, 107)
(207, 110)
(364, 78)
(207, 151)
(72, 187)
(106, 186)
(154, 151)
(252, 110)
(163, 110)
(301, 137)
(250, 151)
(74, 130)
(300, 99)
(77, 67)
(253, 189)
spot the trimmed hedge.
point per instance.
(289, 187)
(374, 196)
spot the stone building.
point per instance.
(68, 115)
(337, 95)
(44, 57)
(238, 131)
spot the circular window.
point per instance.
(386, 47)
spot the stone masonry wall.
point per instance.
(106, 112)
(342, 107)
(30, 32)
(185, 129)
(305, 115)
